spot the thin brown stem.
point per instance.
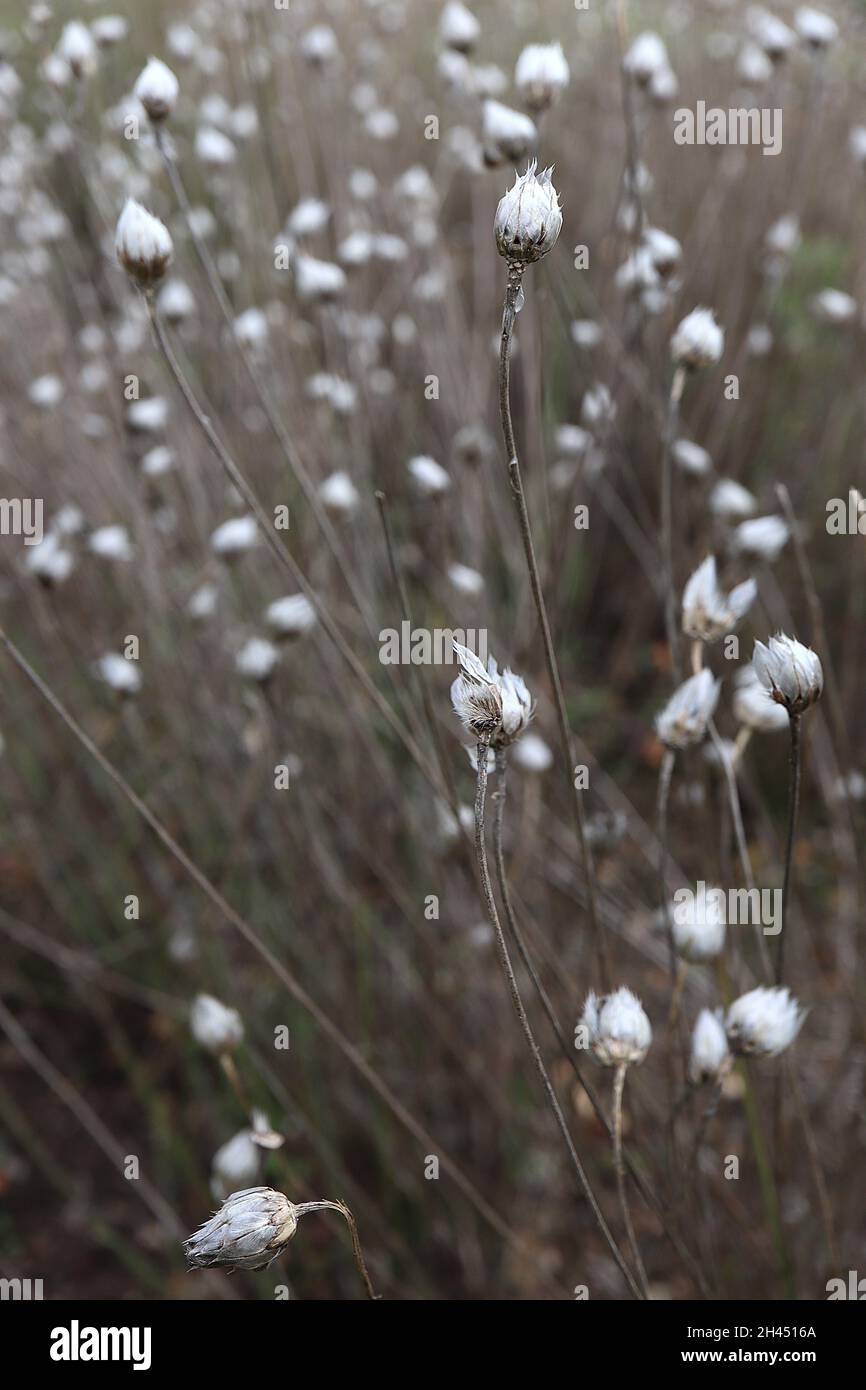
(793, 812)
(618, 1088)
(302, 1208)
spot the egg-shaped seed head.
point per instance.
(249, 1231)
(619, 1032)
(143, 245)
(698, 340)
(528, 219)
(214, 1025)
(709, 1057)
(157, 89)
(763, 1022)
(791, 673)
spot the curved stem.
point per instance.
(618, 1088)
(523, 1020)
(302, 1208)
(513, 287)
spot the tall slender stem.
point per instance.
(793, 812)
(667, 523)
(662, 796)
(618, 1088)
(513, 288)
(523, 1020)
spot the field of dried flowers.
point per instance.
(212, 784)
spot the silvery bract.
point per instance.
(698, 926)
(618, 1029)
(157, 89)
(493, 708)
(684, 719)
(708, 613)
(143, 245)
(214, 1025)
(709, 1058)
(763, 1022)
(528, 219)
(698, 340)
(541, 74)
(754, 706)
(251, 1228)
(791, 672)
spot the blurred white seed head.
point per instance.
(709, 613)
(684, 719)
(645, 57)
(214, 1025)
(119, 674)
(507, 134)
(698, 925)
(541, 75)
(157, 89)
(763, 537)
(709, 1057)
(143, 245)
(754, 706)
(729, 499)
(816, 28)
(235, 1164)
(251, 1228)
(339, 494)
(763, 1022)
(257, 659)
(790, 672)
(291, 616)
(458, 27)
(691, 458)
(528, 219)
(77, 49)
(619, 1032)
(493, 707)
(318, 281)
(235, 536)
(698, 340)
(429, 477)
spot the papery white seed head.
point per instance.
(684, 719)
(175, 301)
(541, 74)
(428, 476)
(857, 143)
(753, 65)
(143, 245)
(214, 1025)
(458, 27)
(618, 1029)
(691, 458)
(532, 754)
(308, 218)
(213, 147)
(528, 219)
(119, 673)
(709, 1059)
(774, 36)
(109, 30)
(111, 543)
(763, 537)
(698, 340)
(339, 494)
(291, 616)
(815, 27)
(317, 281)
(664, 250)
(235, 536)
(466, 580)
(506, 133)
(646, 55)
(783, 237)
(319, 45)
(251, 1228)
(754, 706)
(495, 708)
(77, 49)
(235, 1164)
(698, 925)
(729, 499)
(834, 306)
(157, 89)
(708, 613)
(791, 673)
(763, 1022)
(49, 561)
(257, 659)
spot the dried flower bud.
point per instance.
(791, 672)
(458, 27)
(157, 89)
(754, 706)
(251, 1228)
(708, 613)
(506, 133)
(763, 1022)
(764, 537)
(618, 1028)
(214, 1025)
(237, 1162)
(528, 219)
(492, 707)
(143, 245)
(698, 925)
(710, 1059)
(684, 719)
(646, 57)
(698, 341)
(77, 49)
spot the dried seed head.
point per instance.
(710, 1059)
(698, 926)
(458, 27)
(214, 1025)
(541, 74)
(528, 219)
(684, 719)
(754, 706)
(618, 1028)
(698, 340)
(506, 133)
(157, 89)
(143, 245)
(763, 1022)
(790, 672)
(251, 1228)
(708, 613)
(494, 708)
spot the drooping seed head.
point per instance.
(709, 613)
(251, 1228)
